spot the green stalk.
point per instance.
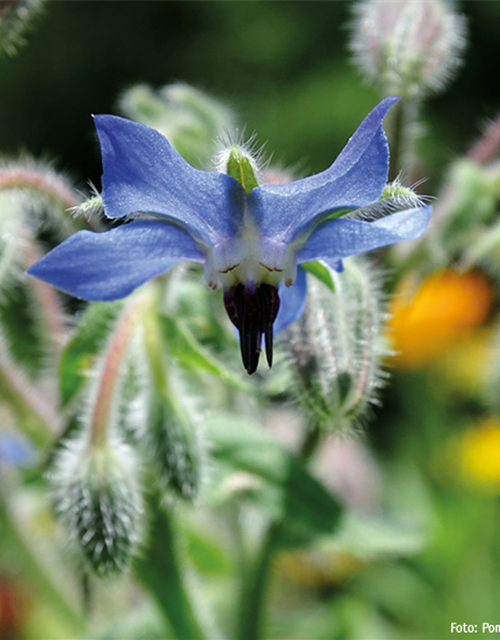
(160, 569)
(402, 139)
(160, 572)
(112, 364)
(255, 578)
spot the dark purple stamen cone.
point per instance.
(253, 309)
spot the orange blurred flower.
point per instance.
(428, 318)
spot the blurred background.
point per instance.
(284, 66)
(431, 450)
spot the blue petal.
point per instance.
(143, 172)
(110, 265)
(344, 237)
(292, 301)
(355, 179)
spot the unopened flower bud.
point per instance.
(175, 449)
(241, 162)
(97, 495)
(10, 239)
(336, 347)
(409, 47)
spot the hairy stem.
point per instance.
(45, 182)
(402, 136)
(488, 145)
(110, 373)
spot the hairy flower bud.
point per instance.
(10, 239)
(175, 448)
(408, 47)
(336, 348)
(97, 495)
(240, 160)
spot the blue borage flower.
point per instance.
(250, 243)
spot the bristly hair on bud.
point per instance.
(240, 158)
(395, 197)
(91, 208)
(11, 240)
(409, 48)
(336, 349)
(97, 495)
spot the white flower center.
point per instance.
(250, 258)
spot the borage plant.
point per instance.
(249, 236)
(257, 240)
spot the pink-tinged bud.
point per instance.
(410, 47)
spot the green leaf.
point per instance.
(87, 340)
(284, 486)
(321, 272)
(190, 353)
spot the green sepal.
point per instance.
(321, 272)
(240, 168)
(87, 340)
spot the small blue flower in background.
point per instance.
(250, 244)
(15, 450)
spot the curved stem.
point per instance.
(112, 365)
(44, 181)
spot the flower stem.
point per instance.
(46, 296)
(254, 585)
(160, 572)
(487, 146)
(255, 582)
(112, 365)
(402, 136)
(45, 182)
